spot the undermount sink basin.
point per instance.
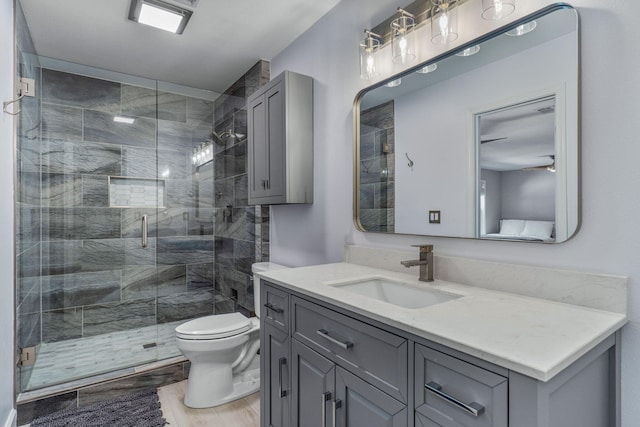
(393, 292)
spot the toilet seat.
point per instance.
(214, 327)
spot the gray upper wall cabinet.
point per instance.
(280, 128)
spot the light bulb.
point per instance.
(497, 4)
(443, 23)
(403, 46)
(371, 64)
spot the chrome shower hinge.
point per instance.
(27, 356)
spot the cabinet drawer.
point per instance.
(375, 355)
(459, 393)
(275, 307)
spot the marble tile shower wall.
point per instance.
(242, 231)
(28, 135)
(377, 176)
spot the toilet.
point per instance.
(223, 351)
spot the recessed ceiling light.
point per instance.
(160, 15)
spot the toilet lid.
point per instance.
(213, 327)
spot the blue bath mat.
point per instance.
(140, 409)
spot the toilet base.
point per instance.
(244, 383)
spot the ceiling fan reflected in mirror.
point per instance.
(484, 141)
(550, 167)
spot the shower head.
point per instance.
(223, 138)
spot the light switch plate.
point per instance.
(434, 217)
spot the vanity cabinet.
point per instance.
(280, 141)
(328, 366)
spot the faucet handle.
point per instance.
(424, 248)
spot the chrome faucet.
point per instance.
(425, 262)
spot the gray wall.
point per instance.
(528, 195)
(610, 88)
(493, 200)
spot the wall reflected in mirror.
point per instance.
(475, 135)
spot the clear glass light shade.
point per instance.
(403, 45)
(469, 51)
(523, 29)
(444, 21)
(492, 10)
(428, 69)
(394, 83)
(369, 67)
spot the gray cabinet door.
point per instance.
(267, 140)
(313, 384)
(258, 146)
(359, 404)
(275, 377)
(276, 122)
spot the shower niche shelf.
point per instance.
(126, 192)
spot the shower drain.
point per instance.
(149, 345)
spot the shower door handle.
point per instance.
(145, 231)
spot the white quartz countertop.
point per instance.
(535, 337)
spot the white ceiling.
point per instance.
(222, 40)
(524, 136)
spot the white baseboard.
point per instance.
(11, 419)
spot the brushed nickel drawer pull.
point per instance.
(325, 398)
(272, 307)
(337, 404)
(281, 362)
(473, 408)
(325, 334)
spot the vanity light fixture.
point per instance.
(523, 29)
(469, 51)
(428, 69)
(492, 10)
(369, 55)
(403, 48)
(394, 83)
(159, 14)
(444, 21)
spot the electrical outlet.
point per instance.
(434, 217)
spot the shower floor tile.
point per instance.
(64, 361)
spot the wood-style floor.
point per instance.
(241, 413)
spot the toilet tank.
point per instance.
(256, 268)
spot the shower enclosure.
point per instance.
(119, 208)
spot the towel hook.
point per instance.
(410, 164)
(6, 104)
